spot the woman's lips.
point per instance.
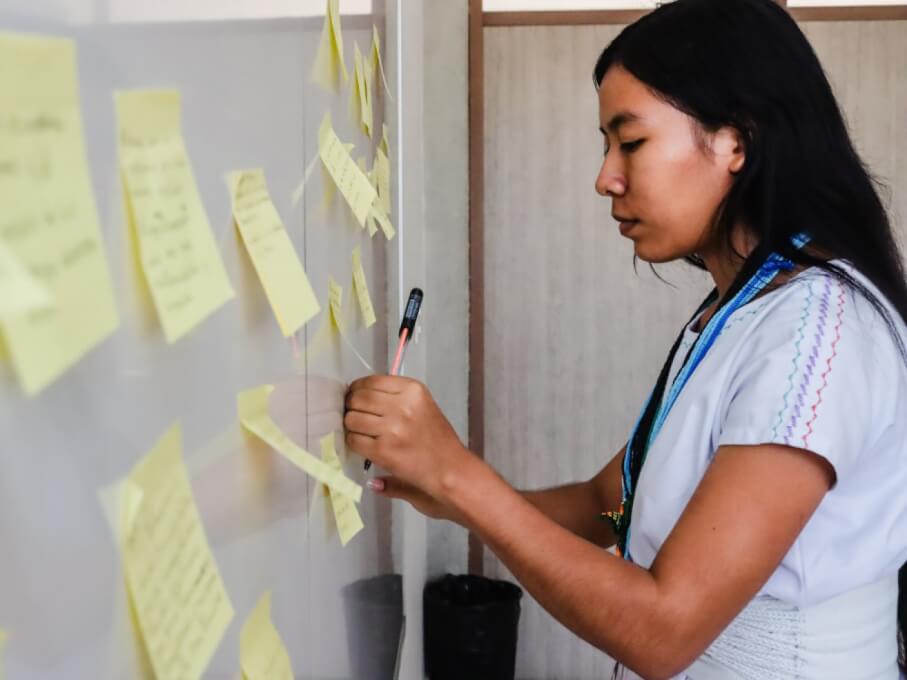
(625, 227)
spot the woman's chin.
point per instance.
(653, 255)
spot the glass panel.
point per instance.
(132, 11)
(248, 101)
(180, 10)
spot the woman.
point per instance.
(759, 507)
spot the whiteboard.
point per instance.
(247, 101)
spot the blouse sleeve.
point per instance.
(809, 375)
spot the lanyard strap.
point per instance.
(773, 264)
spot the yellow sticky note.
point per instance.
(330, 190)
(335, 303)
(327, 181)
(333, 10)
(179, 598)
(179, 256)
(384, 145)
(360, 284)
(349, 523)
(370, 220)
(360, 104)
(20, 292)
(377, 64)
(262, 653)
(384, 222)
(329, 64)
(361, 162)
(2, 647)
(382, 170)
(367, 78)
(271, 251)
(355, 94)
(350, 180)
(254, 416)
(335, 322)
(49, 219)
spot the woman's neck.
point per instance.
(724, 262)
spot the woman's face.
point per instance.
(665, 177)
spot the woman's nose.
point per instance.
(610, 182)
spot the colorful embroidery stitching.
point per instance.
(810, 363)
(804, 315)
(831, 358)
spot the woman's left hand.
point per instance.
(395, 422)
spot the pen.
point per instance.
(407, 328)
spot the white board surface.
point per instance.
(247, 101)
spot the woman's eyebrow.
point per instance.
(618, 120)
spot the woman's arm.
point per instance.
(741, 521)
(577, 507)
(746, 513)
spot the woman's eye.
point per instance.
(630, 147)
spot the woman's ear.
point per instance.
(729, 149)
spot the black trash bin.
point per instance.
(374, 615)
(470, 628)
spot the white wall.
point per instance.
(133, 11)
(446, 216)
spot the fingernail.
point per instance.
(375, 484)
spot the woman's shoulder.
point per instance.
(816, 367)
(823, 304)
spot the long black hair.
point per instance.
(746, 64)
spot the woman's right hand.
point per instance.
(391, 487)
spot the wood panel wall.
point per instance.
(573, 338)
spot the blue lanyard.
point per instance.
(767, 272)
